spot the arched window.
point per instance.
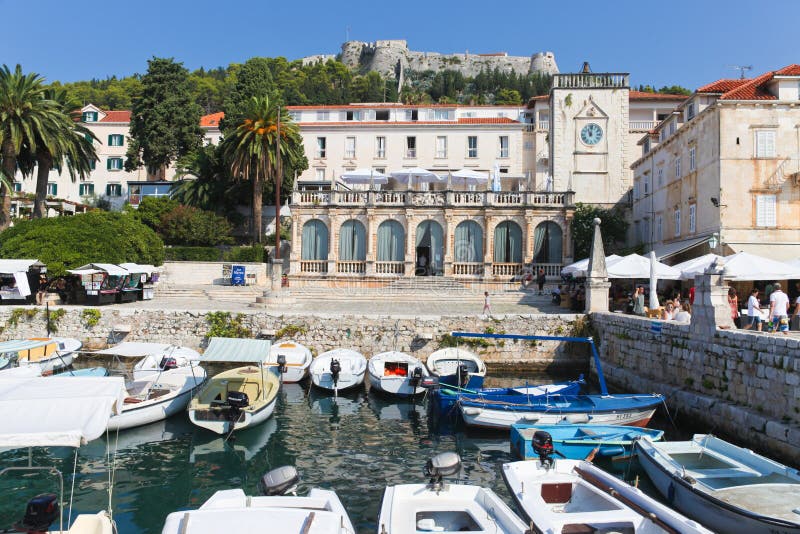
(352, 241)
(391, 241)
(507, 243)
(430, 248)
(547, 243)
(315, 240)
(468, 247)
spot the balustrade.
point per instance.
(506, 269)
(314, 266)
(390, 267)
(642, 125)
(551, 270)
(432, 198)
(467, 268)
(351, 267)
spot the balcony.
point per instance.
(314, 266)
(645, 126)
(390, 267)
(467, 268)
(592, 80)
(351, 267)
(386, 198)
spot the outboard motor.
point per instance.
(280, 481)
(442, 465)
(40, 513)
(281, 360)
(236, 401)
(336, 368)
(167, 363)
(542, 443)
(429, 382)
(463, 375)
(416, 377)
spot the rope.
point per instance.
(112, 472)
(72, 488)
(669, 416)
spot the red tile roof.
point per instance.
(722, 86)
(751, 88)
(116, 116)
(643, 95)
(396, 105)
(208, 121)
(790, 70)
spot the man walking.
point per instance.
(541, 279)
(779, 309)
(487, 307)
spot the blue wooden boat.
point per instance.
(446, 396)
(576, 442)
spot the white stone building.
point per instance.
(725, 162)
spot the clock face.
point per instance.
(591, 134)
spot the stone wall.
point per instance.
(205, 273)
(419, 336)
(737, 384)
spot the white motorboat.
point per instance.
(457, 367)
(338, 369)
(320, 512)
(153, 357)
(292, 358)
(156, 397)
(396, 373)
(441, 507)
(47, 353)
(727, 488)
(560, 495)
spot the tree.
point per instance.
(614, 227)
(185, 225)
(508, 96)
(253, 78)
(152, 209)
(251, 149)
(205, 181)
(165, 120)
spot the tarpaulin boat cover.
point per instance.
(57, 411)
(18, 345)
(135, 349)
(224, 349)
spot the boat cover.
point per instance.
(57, 411)
(225, 349)
(134, 349)
(18, 345)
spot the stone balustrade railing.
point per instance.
(314, 266)
(390, 267)
(351, 267)
(467, 268)
(434, 198)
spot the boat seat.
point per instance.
(578, 528)
(557, 493)
(702, 474)
(587, 431)
(132, 400)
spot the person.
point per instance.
(667, 314)
(796, 312)
(61, 286)
(41, 293)
(733, 302)
(684, 314)
(487, 308)
(541, 279)
(753, 311)
(581, 300)
(779, 309)
(691, 295)
(638, 301)
(527, 279)
(557, 296)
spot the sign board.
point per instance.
(655, 327)
(237, 275)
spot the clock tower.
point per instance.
(588, 136)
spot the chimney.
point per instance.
(586, 69)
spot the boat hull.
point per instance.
(138, 416)
(53, 363)
(447, 399)
(571, 442)
(353, 369)
(346, 381)
(294, 374)
(247, 420)
(399, 386)
(298, 359)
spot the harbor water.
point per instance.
(356, 445)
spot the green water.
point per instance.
(356, 446)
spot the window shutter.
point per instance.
(110, 140)
(108, 164)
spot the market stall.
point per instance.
(19, 280)
(102, 282)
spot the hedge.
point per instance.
(231, 254)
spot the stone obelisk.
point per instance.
(597, 284)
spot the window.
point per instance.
(350, 147)
(52, 188)
(646, 146)
(636, 190)
(321, 144)
(441, 114)
(355, 115)
(114, 164)
(86, 190)
(441, 146)
(765, 210)
(114, 190)
(660, 177)
(503, 146)
(472, 146)
(323, 115)
(89, 116)
(677, 167)
(382, 115)
(692, 159)
(677, 222)
(411, 146)
(692, 218)
(115, 140)
(320, 175)
(765, 144)
(412, 114)
(528, 146)
(295, 116)
(646, 183)
(690, 111)
(380, 170)
(662, 134)
(17, 187)
(659, 233)
(92, 164)
(380, 147)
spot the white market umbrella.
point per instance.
(364, 176)
(470, 177)
(691, 268)
(579, 268)
(636, 266)
(415, 174)
(496, 185)
(744, 266)
(653, 303)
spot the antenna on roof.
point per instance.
(742, 69)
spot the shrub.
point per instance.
(151, 209)
(96, 237)
(232, 254)
(254, 253)
(185, 225)
(221, 324)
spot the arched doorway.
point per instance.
(430, 249)
(315, 241)
(352, 241)
(507, 243)
(391, 248)
(547, 243)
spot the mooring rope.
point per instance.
(72, 488)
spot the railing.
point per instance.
(543, 125)
(508, 198)
(551, 270)
(428, 198)
(411, 152)
(590, 80)
(314, 197)
(467, 198)
(467, 269)
(434, 198)
(313, 266)
(642, 125)
(357, 198)
(351, 267)
(390, 267)
(389, 198)
(786, 168)
(506, 269)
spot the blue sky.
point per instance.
(683, 42)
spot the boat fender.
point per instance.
(530, 417)
(577, 418)
(472, 411)
(689, 479)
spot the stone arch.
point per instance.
(314, 242)
(507, 242)
(352, 241)
(548, 242)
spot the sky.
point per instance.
(688, 43)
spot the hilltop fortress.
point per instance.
(390, 57)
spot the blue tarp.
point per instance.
(224, 349)
(18, 345)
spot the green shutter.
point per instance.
(110, 140)
(92, 164)
(108, 164)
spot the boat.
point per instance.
(396, 373)
(48, 353)
(247, 445)
(235, 399)
(728, 488)
(457, 367)
(157, 397)
(319, 512)
(628, 410)
(445, 397)
(292, 358)
(442, 507)
(84, 371)
(575, 496)
(577, 442)
(153, 357)
(338, 369)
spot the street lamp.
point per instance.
(713, 241)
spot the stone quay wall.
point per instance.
(369, 335)
(738, 384)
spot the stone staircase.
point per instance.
(244, 294)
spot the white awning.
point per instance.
(670, 249)
(134, 349)
(579, 268)
(224, 349)
(110, 268)
(775, 251)
(636, 266)
(18, 266)
(83, 272)
(57, 411)
(136, 268)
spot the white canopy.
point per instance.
(415, 174)
(224, 349)
(470, 177)
(134, 349)
(136, 268)
(636, 266)
(110, 268)
(57, 411)
(364, 176)
(744, 266)
(690, 268)
(18, 266)
(579, 268)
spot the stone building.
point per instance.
(725, 162)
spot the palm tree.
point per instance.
(252, 149)
(204, 179)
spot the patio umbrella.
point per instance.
(471, 177)
(579, 268)
(636, 266)
(691, 268)
(415, 174)
(653, 304)
(364, 176)
(744, 266)
(496, 186)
